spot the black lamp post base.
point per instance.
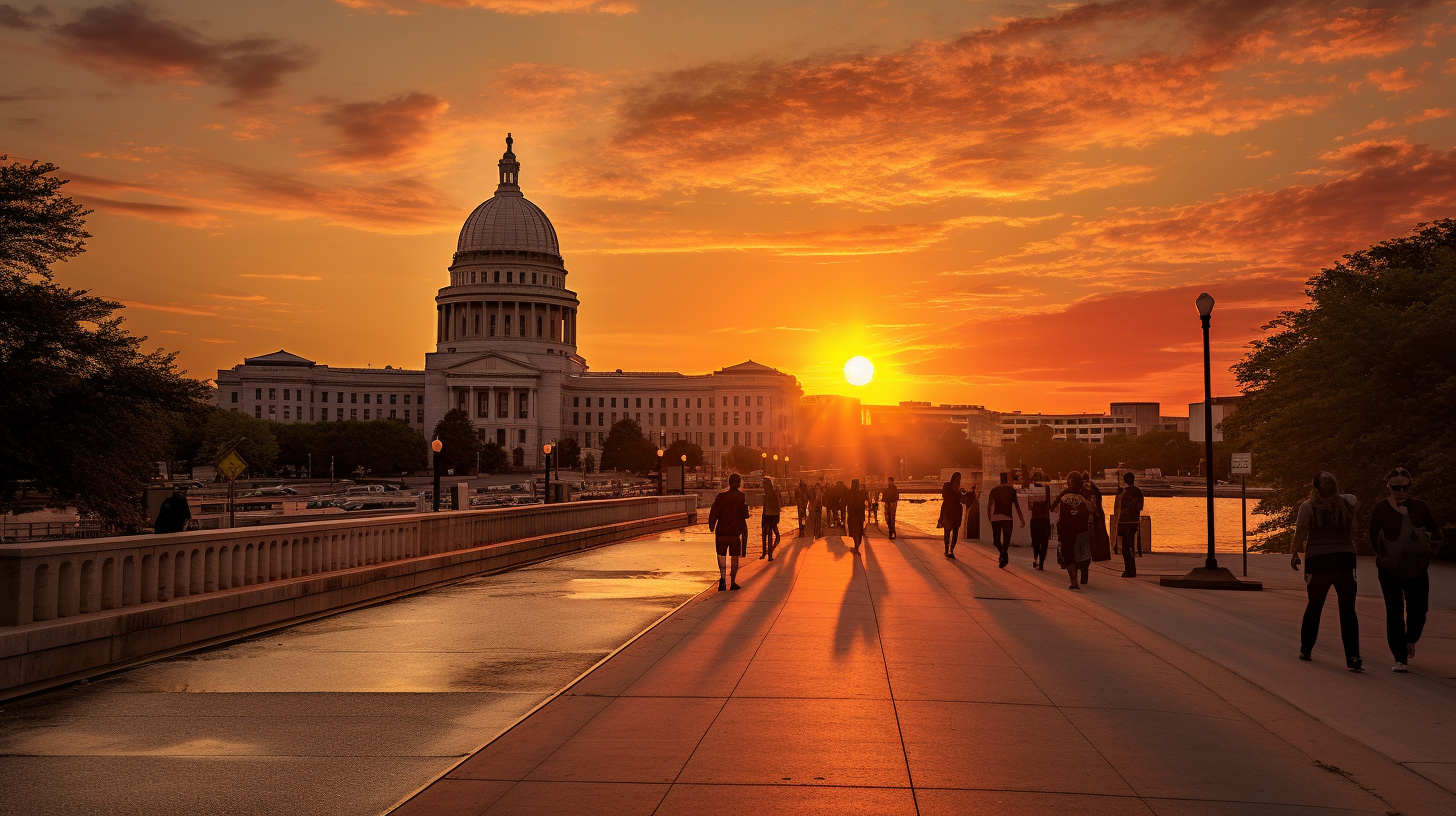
(1215, 578)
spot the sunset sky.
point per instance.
(1007, 204)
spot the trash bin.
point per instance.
(1145, 533)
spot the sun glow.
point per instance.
(859, 371)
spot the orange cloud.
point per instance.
(389, 135)
(126, 42)
(1016, 112)
(1393, 81)
(522, 7)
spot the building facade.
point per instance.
(506, 354)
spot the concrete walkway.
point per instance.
(899, 681)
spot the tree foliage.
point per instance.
(588, 464)
(743, 459)
(253, 440)
(568, 454)
(626, 449)
(85, 414)
(1169, 451)
(459, 442)
(680, 448)
(493, 458)
(1359, 381)
(380, 447)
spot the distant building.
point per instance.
(1085, 427)
(506, 354)
(981, 426)
(1173, 424)
(1145, 415)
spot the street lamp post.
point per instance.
(546, 489)
(435, 446)
(684, 474)
(1211, 575)
(1205, 315)
(659, 471)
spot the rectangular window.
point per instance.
(257, 393)
(711, 443)
(649, 402)
(601, 402)
(735, 437)
(366, 413)
(272, 410)
(760, 402)
(759, 421)
(392, 398)
(406, 415)
(406, 399)
(258, 411)
(420, 401)
(651, 418)
(699, 443)
(393, 414)
(639, 417)
(366, 399)
(287, 394)
(725, 421)
(700, 417)
(712, 419)
(521, 405)
(285, 412)
(510, 278)
(760, 440)
(711, 400)
(576, 402)
(614, 402)
(378, 399)
(353, 397)
(575, 418)
(614, 417)
(674, 419)
(235, 396)
(735, 400)
(601, 418)
(674, 402)
(687, 419)
(521, 436)
(272, 393)
(735, 417)
(353, 413)
(639, 402)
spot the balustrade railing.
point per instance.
(41, 581)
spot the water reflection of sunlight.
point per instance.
(656, 586)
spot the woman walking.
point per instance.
(951, 506)
(770, 519)
(816, 510)
(1041, 521)
(801, 502)
(1403, 534)
(1101, 543)
(1074, 522)
(1324, 530)
(728, 521)
(855, 501)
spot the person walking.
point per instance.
(873, 505)
(1101, 543)
(951, 507)
(1074, 523)
(728, 521)
(1324, 531)
(816, 510)
(801, 502)
(770, 519)
(1041, 521)
(855, 501)
(1128, 514)
(1000, 501)
(841, 498)
(972, 501)
(1403, 534)
(891, 499)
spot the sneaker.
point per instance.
(1305, 657)
(1355, 664)
(1400, 668)
(1410, 651)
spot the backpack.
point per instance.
(1409, 555)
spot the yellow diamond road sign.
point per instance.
(232, 465)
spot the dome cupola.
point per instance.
(507, 221)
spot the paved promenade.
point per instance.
(900, 681)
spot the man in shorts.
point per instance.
(728, 521)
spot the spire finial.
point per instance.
(510, 171)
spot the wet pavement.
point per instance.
(347, 714)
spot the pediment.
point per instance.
(492, 364)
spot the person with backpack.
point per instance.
(728, 521)
(1324, 531)
(1041, 521)
(1003, 498)
(1074, 530)
(1128, 511)
(1403, 534)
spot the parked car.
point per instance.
(280, 490)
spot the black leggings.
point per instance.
(1318, 586)
(949, 535)
(1001, 534)
(1041, 533)
(1406, 602)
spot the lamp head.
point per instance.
(685, 458)
(546, 449)
(436, 445)
(1205, 304)
(776, 457)
(659, 451)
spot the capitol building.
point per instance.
(506, 354)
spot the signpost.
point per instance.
(232, 466)
(1243, 465)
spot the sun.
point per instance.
(859, 371)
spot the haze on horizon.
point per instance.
(1007, 204)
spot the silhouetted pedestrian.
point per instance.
(816, 509)
(173, 515)
(728, 521)
(801, 502)
(1099, 539)
(891, 499)
(1074, 536)
(952, 503)
(770, 519)
(1041, 521)
(1000, 501)
(1403, 533)
(1128, 513)
(1324, 529)
(855, 500)
(841, 498)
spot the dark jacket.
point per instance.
(890, 496)
(1386, 519)
(729, 516)
(1130, 508)
(173, 515)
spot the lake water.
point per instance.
(1179, 522)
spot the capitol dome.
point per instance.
(507, 220)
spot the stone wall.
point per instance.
(75, 608)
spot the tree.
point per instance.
(381, 446)
(568, 454)
(85, 414)
(626, 449)
(588, 464)
(1357, 382)
(675, 452)
(253, 439)
(493, 458)
(743, 459)
(459, 443)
